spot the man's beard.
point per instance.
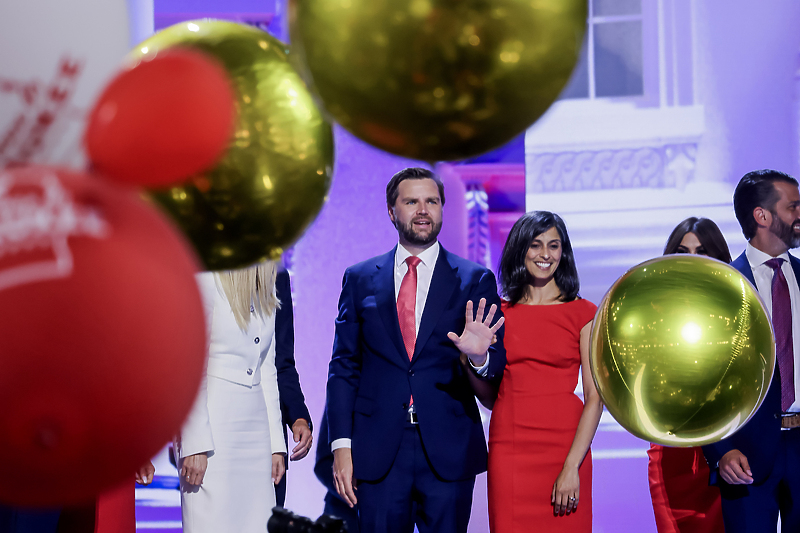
(412, 237)
(784, 231)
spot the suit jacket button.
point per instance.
(249, 371)
(410, 372)
(257, 340)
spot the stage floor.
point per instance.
(621, 494)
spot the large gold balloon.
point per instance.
(682, 350)
(274, 178)
(437, 79)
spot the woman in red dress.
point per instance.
(683, 502)
(540, 468)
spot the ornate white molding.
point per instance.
(670, 165)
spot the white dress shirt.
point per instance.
(763, 276)
(425, 268)
(424, 275)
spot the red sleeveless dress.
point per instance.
(535, 418)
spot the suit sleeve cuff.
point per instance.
(482, 370)
(340, 443)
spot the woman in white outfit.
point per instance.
(229, 449)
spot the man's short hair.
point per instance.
(411, 173)
(756, 189)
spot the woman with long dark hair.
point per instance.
(683, 502)
(540, 467)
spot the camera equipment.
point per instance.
(285, 521)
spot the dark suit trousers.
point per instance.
(411, 493)
(13, 520)
(280, 489)
(755, 508)
(334, 506)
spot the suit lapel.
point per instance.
(743, 265)
(443, 284)
(795, 266)
(383, 283)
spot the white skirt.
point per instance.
(237, 494)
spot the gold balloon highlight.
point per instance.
(682, 350)
(274, 178)
(437, 80)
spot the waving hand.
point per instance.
(478, 333)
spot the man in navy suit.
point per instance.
(293, 404)
(403, 424)
(758, 468)
(323, 469)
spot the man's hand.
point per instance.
(734, 468)
(145, 474)
(477, 335)
(343, 475)
(302, 435)
(193, 468)
(278, 467)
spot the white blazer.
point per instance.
(246, 358)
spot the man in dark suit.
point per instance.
(323, 469)
(758, 468)
(293, 403)
(404, 427)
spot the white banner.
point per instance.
(57, 55)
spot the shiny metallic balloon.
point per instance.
(437, 79)
(275, 176)
(682, 350)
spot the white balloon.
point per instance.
(55, 58)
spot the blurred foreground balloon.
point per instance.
(437, 79)
(682, 350)
(102, 341)
(162, 120)
(273, 180)
(56, 57)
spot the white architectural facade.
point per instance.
(624, 170)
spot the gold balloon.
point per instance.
(274, 178)
(437, 79)
(682, 350)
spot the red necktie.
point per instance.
(407, 306)
(782, 324)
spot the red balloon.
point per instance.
(163, 120)
(102, 335)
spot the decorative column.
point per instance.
(796, 131)
(140, 20)
(495, 199)
(478, 222)
(279, 27)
